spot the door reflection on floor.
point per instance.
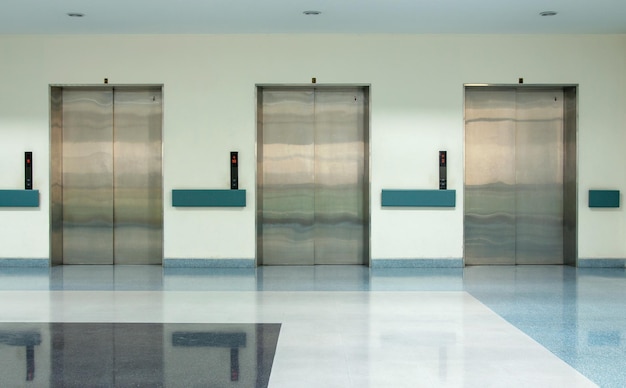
(137, 354)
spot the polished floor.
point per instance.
(137, 354)
(539, 326)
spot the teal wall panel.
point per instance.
(419, 198)
(604, 198)
(209, 198)
(19, 198)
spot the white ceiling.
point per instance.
(338, 16)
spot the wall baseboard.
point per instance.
(417, 263)
(208, 263)
(250, 263)
(601, 263)
(25, 263)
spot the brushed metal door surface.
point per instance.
(489, 222)
(339, 176)
(87, 176)
(111, 203)
(539, 177)
(514, 170)
(311, 176)
(137, 178)
(286, 177)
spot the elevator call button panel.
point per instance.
(234, 173)
(28, 170)
(443, 174)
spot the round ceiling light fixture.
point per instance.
(75, 14)
(548, 13)
(312, 13)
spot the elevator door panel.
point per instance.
(311, 164)
(288, 182)
(339, 176)
(137, 178)
(539, 177)
(489, 225)
(88, 177)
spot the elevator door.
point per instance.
(312, 176)
(109, 203)
(514, 176)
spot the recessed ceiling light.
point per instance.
(75, 14)
(548, 13)
(311, 12)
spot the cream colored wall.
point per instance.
(417, 109)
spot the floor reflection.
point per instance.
(137, 354)
(26, 339)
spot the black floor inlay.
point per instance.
(136, 354)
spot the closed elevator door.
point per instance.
(516, 166)
(107, 180)
(312, 175)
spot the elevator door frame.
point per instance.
(570, 160)
(366, 168)
(55, 92)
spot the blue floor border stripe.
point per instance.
(24, 263)
(601, 263)
(417, 263)
(208, 263)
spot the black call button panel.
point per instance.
(443, 174)
(234, 173)
(28, 170)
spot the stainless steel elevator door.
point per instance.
(112, 181)
(138, 177)
(312, 185)
(539, 176)
(339, 176)
(514, 176)
(287, 177)
(87, 176)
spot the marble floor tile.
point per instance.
(136, 354)
(356, 327)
